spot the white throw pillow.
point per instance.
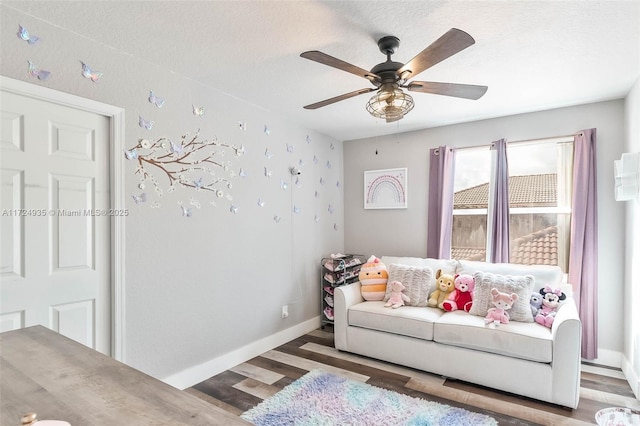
(448, 266)
(416, 279)
(522, 285)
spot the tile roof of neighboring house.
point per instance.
(537, 248)
(467, 253)
(524, 191)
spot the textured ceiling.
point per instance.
(533, 55)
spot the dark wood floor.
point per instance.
(244, 386)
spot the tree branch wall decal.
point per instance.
(192, 163)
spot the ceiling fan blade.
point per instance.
(467, 91)
(450, 43)
(325, 59)
(339, 98)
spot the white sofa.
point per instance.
(523, 358)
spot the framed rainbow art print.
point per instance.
(385, 189)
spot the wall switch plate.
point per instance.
(285, 311)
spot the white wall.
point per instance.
(404, 232)
(201, 287)
(631, 363)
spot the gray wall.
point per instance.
(198, 288)
(631, 363)
(404, 232)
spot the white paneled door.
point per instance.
(55, 219)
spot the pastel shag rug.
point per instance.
(321, 398)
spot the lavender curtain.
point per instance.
(499, 227)
(583, 260)
(440, 219)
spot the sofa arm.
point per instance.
(344, 297)
(566, 333)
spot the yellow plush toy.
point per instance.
(373, 278)
(445, 284)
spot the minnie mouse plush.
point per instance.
(551, 300)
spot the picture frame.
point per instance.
(385, 189)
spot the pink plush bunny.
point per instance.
(397, 298)
(502, 302)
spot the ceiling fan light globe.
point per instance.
(390, 105)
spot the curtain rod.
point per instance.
(514, 142)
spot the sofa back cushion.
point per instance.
(522, 285)
(416, 279)
(544, 274)
(447, 266)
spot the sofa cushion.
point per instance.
(409, 321)
(543, 274)
(448, 266)
(518, 284)
(416, 279)
(528, 341)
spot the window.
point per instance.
(470, 203)
(539, 202)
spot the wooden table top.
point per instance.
(44, 372)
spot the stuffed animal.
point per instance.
(462, 297)
(373, 277)
(502, 303)
(445, 284)
(551, 301)
(397, 298)
(536, 303)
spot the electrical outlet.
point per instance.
(285, 311)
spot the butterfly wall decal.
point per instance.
(198, 111)
(37, 72)
(88, 72)
(242, 125)
(176, 148)
(156, 100)
(145, 124)
(23, 34)
(131, 154)
(186, 212)
(142, 198)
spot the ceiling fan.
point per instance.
(389, 77)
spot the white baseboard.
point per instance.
(608, 358)
(632, 377)
(617, 359)
(198, 373)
